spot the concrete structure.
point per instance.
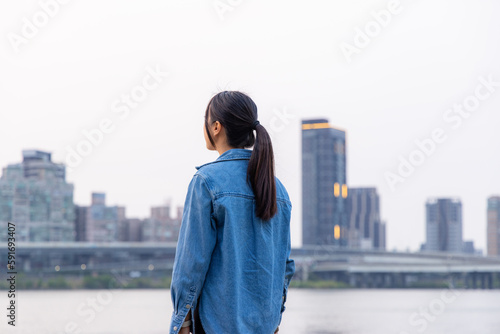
(35, 196)
(324, 184)
(376, 269)
(444, 225)
(493, 228)
(366, 230)
(38, 259)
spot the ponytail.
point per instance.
(237, 112)
(261, 173)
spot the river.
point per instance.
(351, 311)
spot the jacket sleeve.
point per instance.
(289, 271)
(197, 237)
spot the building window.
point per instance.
(336, 189)
(336, 232)
(344, 190)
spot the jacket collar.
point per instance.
(232, 154)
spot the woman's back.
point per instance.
(236, 264)
(232, 262)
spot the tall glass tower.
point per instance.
(444, 225)
(324, 185)
(366, 230)
(493, 227)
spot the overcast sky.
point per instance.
(72, 71)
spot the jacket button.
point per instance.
(175, 328)
(188, 306)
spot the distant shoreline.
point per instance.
(108, 281)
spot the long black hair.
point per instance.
(237, 112)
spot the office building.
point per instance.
(98, 222)
(444, 225)
(493, 227)
(366, 230)
(35, 196)
(324, 184)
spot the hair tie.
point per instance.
(254, 125)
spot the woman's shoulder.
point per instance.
(224, 178)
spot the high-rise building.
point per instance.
(324, 185)
(493, 228)
(366, 230)
(444, 225)
(81, 213)
(100, 222)
(379, 237)
(35, 196)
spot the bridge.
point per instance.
(359, 268)
(363, 268)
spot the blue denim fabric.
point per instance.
(235, 263)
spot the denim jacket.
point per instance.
(230, 264)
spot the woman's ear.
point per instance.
(217, 128)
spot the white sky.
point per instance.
(286, 56)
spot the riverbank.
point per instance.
(103, 281)
(110, 281)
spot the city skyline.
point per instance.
(364, 228)
(145, 87)
(34, 195)
(383, 119)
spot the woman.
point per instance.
(232, 267)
